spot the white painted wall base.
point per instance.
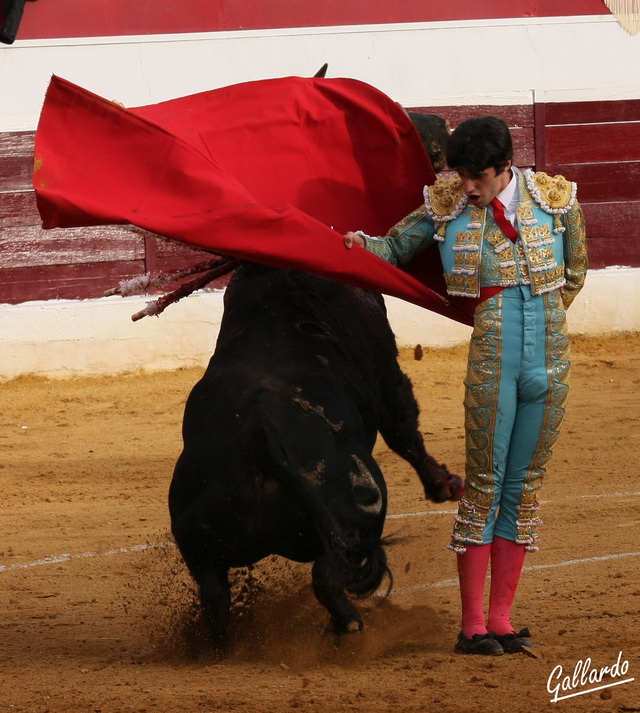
(609, 303)
(64, 338)
(61, 338)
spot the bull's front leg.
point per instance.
(438, 482)
(345, 617)
(400, 429)
(215, 599)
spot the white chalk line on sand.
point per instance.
(61, 558)
(57, 559)
(568, 563)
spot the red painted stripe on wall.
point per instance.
(44, 19)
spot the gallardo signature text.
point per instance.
(584, 675)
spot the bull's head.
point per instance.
(434, 132)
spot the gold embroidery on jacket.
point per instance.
(482, 254)
(547, 281)
(538, 266)
(444, 196)
(576, 251)
(552, 193)
(444, 201)
(464, 279)
(463, 285)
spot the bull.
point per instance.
(278, 442)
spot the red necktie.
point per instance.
(506, 227)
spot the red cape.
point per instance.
(272, 171)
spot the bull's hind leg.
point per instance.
(345, 617)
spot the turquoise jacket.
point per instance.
(549, 254)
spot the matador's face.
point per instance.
(481, 188)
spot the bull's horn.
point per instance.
(322, 71)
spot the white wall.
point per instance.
(62, 338)
(417, 64)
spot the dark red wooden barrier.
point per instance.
(38, 264)
(597, 144)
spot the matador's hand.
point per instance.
(351, 239)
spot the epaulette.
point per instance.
(444, 201)
(554, 195)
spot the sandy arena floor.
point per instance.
(98, 613)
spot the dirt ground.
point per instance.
(98, 614)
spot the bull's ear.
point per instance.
(10, 16)
(322, 71)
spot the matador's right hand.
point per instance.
(351, 239)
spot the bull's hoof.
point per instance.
(451, 488)
(345, 627)
(353, 626)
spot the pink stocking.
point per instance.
(472, 570)
(507, 558)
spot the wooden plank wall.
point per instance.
(595, 144)
(74, 263)
(519, 119)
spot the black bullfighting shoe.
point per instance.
(483, 644)
(516, 643)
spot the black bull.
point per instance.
(278, 440)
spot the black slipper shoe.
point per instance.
(516, 643)
(483, 644)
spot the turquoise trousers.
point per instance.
(515, 393)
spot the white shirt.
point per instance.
(509, 198)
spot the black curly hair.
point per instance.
(480, 143)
